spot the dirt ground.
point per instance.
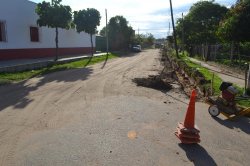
(96, 116)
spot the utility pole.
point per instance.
(106, 32)
(169, 29)
(247, 81)
(174, 33)
(138, 31)
(182, 34)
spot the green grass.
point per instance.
(217, 80)
(19, 76)
(207, 74)
(242, 65)
(243, 102)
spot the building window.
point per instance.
(34, 34)
(2, 31)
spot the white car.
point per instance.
(136, 48)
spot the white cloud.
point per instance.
(140, 14)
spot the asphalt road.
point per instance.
(98, 116)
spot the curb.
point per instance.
(41, 64)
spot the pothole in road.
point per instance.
(154, 82)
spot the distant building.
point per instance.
(21, 37)
(101, 43)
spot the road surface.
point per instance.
(97, 117)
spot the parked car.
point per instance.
(136, 48)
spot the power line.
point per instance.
(156, 29)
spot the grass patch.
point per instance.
(207, 74)
(243, 102)
(217, 80)
(242, 65)
(19, 76)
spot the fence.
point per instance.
(231, 52)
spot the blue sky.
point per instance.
(147, 16)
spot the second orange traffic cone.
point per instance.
(187, 132)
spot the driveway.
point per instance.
(96, 116)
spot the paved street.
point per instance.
(98, 116)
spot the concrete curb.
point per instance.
(41, 64)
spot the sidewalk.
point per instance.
(225, 75)
(25, 64)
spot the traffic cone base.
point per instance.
(186, 135)
(188, 140)
(188, 130)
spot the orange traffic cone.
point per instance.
(187, 132)
(189, 119)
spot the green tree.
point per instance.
(235, 27)
(87, 21)
(170, 41)
(149, 39)
(138, 39)
(146, 40)
(120, 33)
(103, 31)
(201, 23)
(54, 15)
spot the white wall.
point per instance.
(20, 15)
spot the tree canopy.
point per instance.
(87, 21)
(119, 32)
(103, 31)
(54, 15)
(146, 40)
(201, 23)
(236, 25)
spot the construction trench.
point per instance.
(166, 78)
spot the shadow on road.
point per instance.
(242, 123)
(90, 58)
(17, 94)
(124, 54)
(105, 62)
(198, 155)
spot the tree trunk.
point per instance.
(203, 52)
(248, 78)
(56, 58)
(232, 52)
(238, 52)
(191, 51)
(92, 49)
(208, 52)
(215, 54)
